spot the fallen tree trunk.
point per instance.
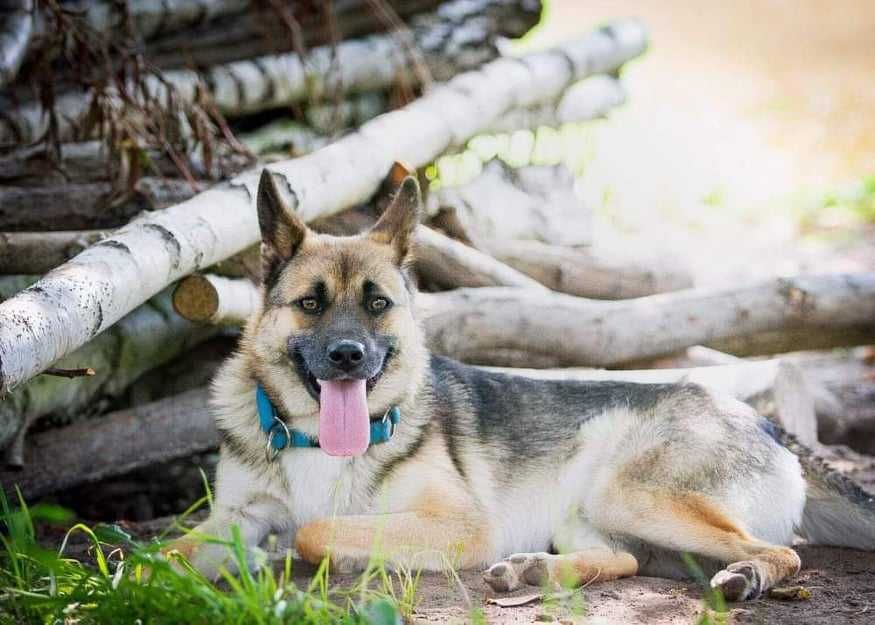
(77, 301)
(122, 441)
(149, 337)
(775, 388)
(87, 205)
(508, 326)
(589, 272)
(247, 86)
(40, 252)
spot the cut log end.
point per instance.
(196, 299)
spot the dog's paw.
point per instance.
(739, 581)
(519, 569)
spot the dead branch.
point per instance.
(507, 326)
(70, 373)
(122, 441)
(590, 271)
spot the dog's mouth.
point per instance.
(311, 383)
(315, 389)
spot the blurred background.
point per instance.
(747, 142)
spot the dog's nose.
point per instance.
(346, 354)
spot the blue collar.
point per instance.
(280, 436)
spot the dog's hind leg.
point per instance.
(690, 522)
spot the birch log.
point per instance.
(147, 338)
(16, 30)
(40, 252)
(590, 271)
(508, 326)
(116, 443)
(215, 300)
(77, 301)
(457, 42)
(775, 388)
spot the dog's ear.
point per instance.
(282, 232)
(398, 222)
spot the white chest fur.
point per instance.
(319, 486)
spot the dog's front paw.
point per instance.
(311, 541)
(739, 581)
(520, 568)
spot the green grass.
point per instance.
(125, 581)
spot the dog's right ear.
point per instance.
(282, 232)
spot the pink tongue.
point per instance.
(344, 423)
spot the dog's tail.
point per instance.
(837, 511)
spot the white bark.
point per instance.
(368, 64)
(591, 271)
(776, 388)
(75, 302)
(149, 337)
(451, 264)
(507, 326)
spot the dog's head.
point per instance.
(336, 340)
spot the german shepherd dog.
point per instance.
(537, 482)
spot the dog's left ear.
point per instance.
(398, 222)
(282, 232)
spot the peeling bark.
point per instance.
(83, 297)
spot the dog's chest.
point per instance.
(320, 486)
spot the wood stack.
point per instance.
(512, 269)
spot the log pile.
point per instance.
(124, 248)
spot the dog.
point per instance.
(341, 430)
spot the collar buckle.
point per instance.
(274, 444)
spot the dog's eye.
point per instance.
(309, 304)
(378, 304)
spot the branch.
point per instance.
(509, 326)
(74, 303)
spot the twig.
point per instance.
(87, 372)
